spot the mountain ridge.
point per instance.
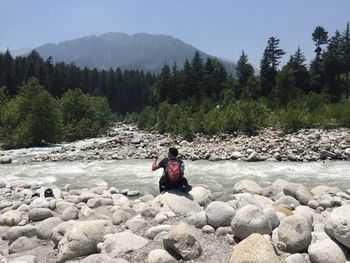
(140, 51)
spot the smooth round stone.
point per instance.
(208, 229)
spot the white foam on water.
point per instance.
(136, 174)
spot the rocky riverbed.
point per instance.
(282, 222)
(124, 141)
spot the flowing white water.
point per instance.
(137, 175)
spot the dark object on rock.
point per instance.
(48, 193)
(35, 195)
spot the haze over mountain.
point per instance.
(112, 50)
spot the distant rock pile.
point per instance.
(283, 222)
(127, 142)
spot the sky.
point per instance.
(221, 28)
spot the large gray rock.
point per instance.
(119, 216)
(4, 204)
(136, 223)
(21, 244)
(219, 214)
(246, 186)
(199, 220)
(338, 225)
(45, 228)
(248, 220)
(160, 256)
(294, 231)
(296, 258)
(200, 194)
(10, 218)
(82, 239)
(153, 231)
(115, 245)
(39, 214)
(307, 213)
(59, 231)
(177, 202)
(5, 160)
(18, 231)
(182, 243)
(254, 249)
(287, 201)
(39, 203)
(271, 215)
(70, 213)
(98, 258)
(326, 251)
(23, 259)
(303, 196)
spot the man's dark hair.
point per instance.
(173, 152)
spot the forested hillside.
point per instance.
(199, 97)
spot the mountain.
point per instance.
(112, 50)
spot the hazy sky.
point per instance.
(222, 27)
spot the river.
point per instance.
(133, 174)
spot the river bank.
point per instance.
(124, 141)
(281, 222)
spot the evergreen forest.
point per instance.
(46, 102)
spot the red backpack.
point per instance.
(173, 171)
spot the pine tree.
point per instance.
(268, 65)
(297, 65)
(243, 70)
(346, 58)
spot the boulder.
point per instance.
(178, 202)
(82, 239)
(254, 249)
(153, 231)
(287, 201)
(219, 214)
(115, 245)
(121, 200)
(5, 160)
(119, 216)
(20, 231)
(326, 250)
(59, 231)
(198, 220)
(248, 220)
(303, 196)
(4, 204)
(70, 213)
(21, 244)
(10, 218)
(22, 259)
(295, 232)
(182, 243)
(296, 258)
(337, 225)
(98, 258)
(246, 186)
(39, 214)
(320, 190)
(135, 224)
(208, 229)
(160, 256)
(39, 203)
(272, 217)
(305, 212)
(200, 194)
(45, 228)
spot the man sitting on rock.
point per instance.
(173, 175)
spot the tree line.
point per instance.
(293, 96)
(125, 91)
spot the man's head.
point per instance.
(173, 152)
